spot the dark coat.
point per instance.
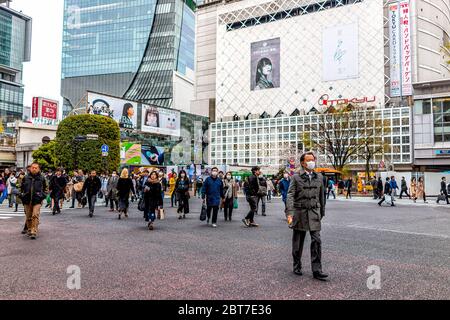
(443, 187)
(33, 189)
(92, 186)
(152, 197)
(387, 188)
(57, 186)
(404, 185)
(124, 187)
(284, 187)
(252, 186)
(305, 201)
(213, 191)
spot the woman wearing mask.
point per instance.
(421, 190)
(12, 189)
(124, 187)
(152, 198)
(229, 194)
(173, 194)
(413, 189)
(182, 191)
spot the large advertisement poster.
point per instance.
(406, 46)
(152, 155)
(394, 44)
(123, 111)
(130, 153)
(265, 64)
(161, 121)
(340, 52)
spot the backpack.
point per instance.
(262, 190)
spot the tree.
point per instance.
(87, 155)
(46, 156)
(344, 134)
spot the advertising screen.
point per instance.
(152, 155)
(123, 111)
(265, 64)
(130, 153)
(160, 120)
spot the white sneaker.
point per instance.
(214, 225)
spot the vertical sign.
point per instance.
(394, 44)
(405, 29)
(35, 110)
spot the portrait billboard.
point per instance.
(265, 64)
(130, 153)
(340, 52)
(123, 111)
(152, 155)
(160, 120)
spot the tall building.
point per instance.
(15, 49)
(260, 62)
(136, 49)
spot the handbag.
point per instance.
(262, 190)
(203, 213)
(141, 205)
(78, 187)
(235, 203)
(161, 214)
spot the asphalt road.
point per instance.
(186, 259)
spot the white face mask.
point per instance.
(214, 173)
(311, 165)
(286, 176)
(228, 177)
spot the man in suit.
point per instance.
(305, 210)
(444, 191)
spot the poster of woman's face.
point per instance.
(151, 117)
(160, 120)
(265, 64)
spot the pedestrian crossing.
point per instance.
(7, 213)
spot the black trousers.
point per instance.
(215, 211)
(253, 203)
(228, 208)
(56, 199)
(183, 203)
(173, 198)
(349, 194)
(446, 197)
(406, 192)
(298, 239)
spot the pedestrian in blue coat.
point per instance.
(284, 186)
(212, 192)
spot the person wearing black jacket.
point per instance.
(152, 198)
(124, 187)
(387, 191)
(379, 187)
(444, 191)
(252, 197)
(182, 190)
(91, 187)
(58, 184)
(33, 190)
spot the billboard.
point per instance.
(130, 153)
(160, 120)
(394, 44)
(123, 111)
(406, 48)
(43, 108)
(340, 52)
(265, 64)
(152, 155)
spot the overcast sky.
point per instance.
(42, 76)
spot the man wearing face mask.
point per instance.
(305, 209)
(252, 197)
(212, 192)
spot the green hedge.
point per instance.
(89, 155)
(46, 157)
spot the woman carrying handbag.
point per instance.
(152, 198)
(124, 187)
(182, 191)
(229, 196)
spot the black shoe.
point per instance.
(54, 212)
(24, 231)
(246, 222)
(33, 237)
(319, 275)
(298, 271)
(71, 207)
(91, 214)
(264, 214)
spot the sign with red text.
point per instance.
(44, 108)
(406, 47)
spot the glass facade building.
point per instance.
(125, 48)
(15, 48)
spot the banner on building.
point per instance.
(123, 111)
(152, 155)
(394, 44)
(46, 109)
(161, 121)
(265, 64)
(130, 153)
(406, 47)
(340, 52)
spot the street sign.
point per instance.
(105, 148)
(79, 139)
(92, 136)
(104, 154)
